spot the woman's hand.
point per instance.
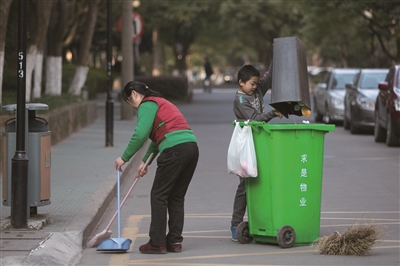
(119, 163)
(141, 172)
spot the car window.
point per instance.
(389, 77)
(398, 80)
(326, 77)
(371, 80)
(356, 78)
(340, 80)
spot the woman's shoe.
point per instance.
(150, 249)
(177, 247)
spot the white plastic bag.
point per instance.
(242, 159)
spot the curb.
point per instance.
(65, 248)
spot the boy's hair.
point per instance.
(246, 72)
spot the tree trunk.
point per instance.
(34, 59)
(127, 73)
(57, 28)
(37, 76)
(30, 67)
(4, 11)
(44, 14)
(79, 79)
(156, 53)
(184, 37)
(53, 75)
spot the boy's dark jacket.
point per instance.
(251, 107)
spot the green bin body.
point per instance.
(287, 190)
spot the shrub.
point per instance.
(96, 82)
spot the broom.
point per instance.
(105, 234)
(357, 240)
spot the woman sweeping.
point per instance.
(172, 138)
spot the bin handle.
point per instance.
(266, 129)
(9, 121)
(45, 122)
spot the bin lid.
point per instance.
(28, 106)
(290, 126)
(290, 89)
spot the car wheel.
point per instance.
(317, 115)
(353, 127)
(392, 139)
(326, 118)
(379, 132)
(346, 123)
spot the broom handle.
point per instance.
(127, 194)
(118, 204)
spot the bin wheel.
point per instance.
(243, 234)
(286, 236)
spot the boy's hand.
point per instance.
(277, 114)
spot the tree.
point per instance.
(35, 52)
(349, 33)
(257, 23)
(55, 38)
(177, 23)
(384, 25)
(4, 11)
(82, 67)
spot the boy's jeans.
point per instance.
(239, 205)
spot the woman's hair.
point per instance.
(246, 72)
(139, 87)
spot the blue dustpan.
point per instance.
(116, 244)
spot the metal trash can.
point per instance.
(284, 200)
(290, 90)
(38, 150)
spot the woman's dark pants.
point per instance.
(175, 169)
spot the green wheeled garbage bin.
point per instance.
(284, 200)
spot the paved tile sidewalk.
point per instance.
(80, 166)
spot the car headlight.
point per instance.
(365, 103)
(337, 102)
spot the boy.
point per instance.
(249, 105)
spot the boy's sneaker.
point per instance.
(150, 249)
(176, 247)
(233, 233)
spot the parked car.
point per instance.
(329, 94)
(359, 100)
(387, 109)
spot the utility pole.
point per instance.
(127, 73)
(19, 163)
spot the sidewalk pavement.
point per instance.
(83, 181)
